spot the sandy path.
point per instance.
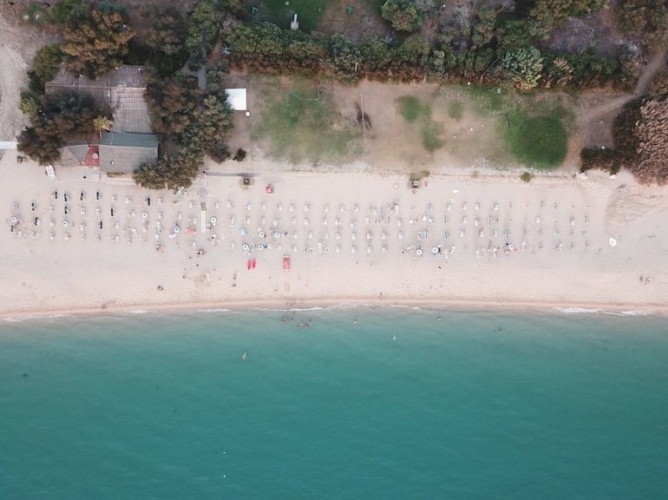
(647, 74)
(10, 93)
(13, 71)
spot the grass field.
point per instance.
(413, 110)
(458, 125)
(534, 129)
(301, 124)
(309, 12)
(456, 110)
(537, 141)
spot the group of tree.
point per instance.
(45, 66)
(546, 15)
(641, 142)
(267, 48)
(166, 40)
(97, 43)
(646, 20)
(57, 119)
(191, 123)
(95, 35)
(97, 38)
(502, 46)
(403, 14)
(651, 135)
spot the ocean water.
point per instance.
(337, 403)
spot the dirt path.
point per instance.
(10, 116)
(13, 68)
(647, 73)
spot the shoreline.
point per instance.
(445, 304)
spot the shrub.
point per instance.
(46, 63)
(36, 14)
(599, 159)
(652, 133)
(240, 155)
(402, 14)
(68, 11)
(29, 103)
(623, 130)
(524, 67)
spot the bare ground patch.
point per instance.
(356, 19)
(18, 44)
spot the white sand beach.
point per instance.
(558, 241)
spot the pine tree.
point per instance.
(97, 44)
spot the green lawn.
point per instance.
(486, 100)
(537, 141)
(534, 129)
(413, 110)
(308, 12)
(456, 110)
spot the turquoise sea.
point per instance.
(342, 403)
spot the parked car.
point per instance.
(50, 172)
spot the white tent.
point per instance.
(236, 98)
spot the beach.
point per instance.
(295, 238)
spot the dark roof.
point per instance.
(79, 151)
(132, 140)
(125, 76)
(122, 90)
(120, 152)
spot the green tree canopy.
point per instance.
(58, 119)
(170, 172)
(171, 102)
(548, 14)
(483, 29)
(524, 67)
(45, 65)
(414, 51)
(403, 14)
(96, 44)
(168, 33)
(346, 57)
(645, 19)
(210, 126)
(68, 11)
(376, 54)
